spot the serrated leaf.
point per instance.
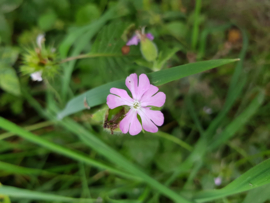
(98, 95)
(109, 41)
(9, 80)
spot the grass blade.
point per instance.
(117, 158)
(99, 94)
(33, 195)
(238, 122)
(255, 177)
(195, 31)
(9, 126)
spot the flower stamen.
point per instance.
(136, 105)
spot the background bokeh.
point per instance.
(185, 32)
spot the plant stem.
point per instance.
(195, 31)
(82, 56)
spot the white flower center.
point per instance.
(136, 105)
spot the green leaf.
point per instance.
(47, 21)
(7, 6)
(109, 41)
(9, 80)
(8, 55)
(78, 37)
(98, 95)
(5, 30)
(176, 29)
(255, 177)
(33, 195)
(87, 13)
(258, 195)
(164, 55)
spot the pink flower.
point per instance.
(144, 96)
(139, 35)
(218, 181)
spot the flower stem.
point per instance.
(82, 56)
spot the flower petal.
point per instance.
(132, 84)
(157, 100)
(144, 85)
(123, 94)
(149, 36)
(156, 116)
(149, 93)
(133, 41)
(115, 101)
(40, 40)
(36, 76)
(148, 117)
(130, 123)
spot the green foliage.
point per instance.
(98, 95)
(87, 14)
(109, 41)
(8, 80)
(255, 177)
(8, 77)
(216, 122)
(32, 195)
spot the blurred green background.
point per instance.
(185, 31)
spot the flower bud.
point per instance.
(40, 60)
(149, 49)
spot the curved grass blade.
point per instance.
(258, 195)
(91, 140)
(115, 157)
(19, 170)
(33, 195)
(238, 122)
(99, 94)
(9, 126)
(255, 177)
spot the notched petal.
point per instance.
(149, 36)
(131, 123)
(132, 84)
(157, 100)
(122, 93)
(133, 41)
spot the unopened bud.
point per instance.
(149, 49)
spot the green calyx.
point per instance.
(149, 49)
